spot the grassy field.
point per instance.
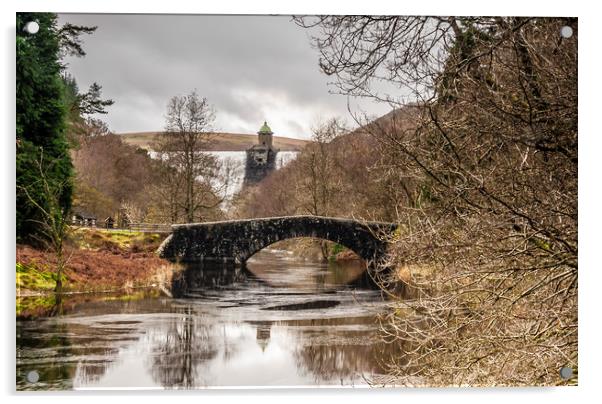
(98, 260)
(222, 141)
(123, 240)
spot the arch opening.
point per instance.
(310, 248)
(366, 249)
(299, 263)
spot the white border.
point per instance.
(589, 169)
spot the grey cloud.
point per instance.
(250, 68)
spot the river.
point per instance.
(278, 322)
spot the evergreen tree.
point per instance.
(40, 120)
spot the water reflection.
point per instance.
(278, 268)
(45, 353)
(178, 353)
(276, 322)
(199, 278)
(61, 351)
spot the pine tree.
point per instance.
(40, 121)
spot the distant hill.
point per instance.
(222, 141)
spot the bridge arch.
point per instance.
(317, 238)
(238, 240)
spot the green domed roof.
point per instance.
(265, 128)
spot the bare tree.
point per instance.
(131, 213)
(166, 194)
(182, 147)
(318, 188)
(340, 173)
(54, 219)
(320, 184)
(490, 141)
(111, 174)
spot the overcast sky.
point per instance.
(250, 68)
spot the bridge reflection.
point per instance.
(202, 278)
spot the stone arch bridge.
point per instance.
(237, 240)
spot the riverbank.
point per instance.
(315, 250)
(120, 264)
(98, 261)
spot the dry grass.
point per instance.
(99, 261)
(120, 240)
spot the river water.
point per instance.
(278, 322)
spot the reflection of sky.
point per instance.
(252, 366)
(249, 366)
(210, 340)
(246, 363)
(127, 371)
(243, 354)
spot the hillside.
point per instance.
(223, 141)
